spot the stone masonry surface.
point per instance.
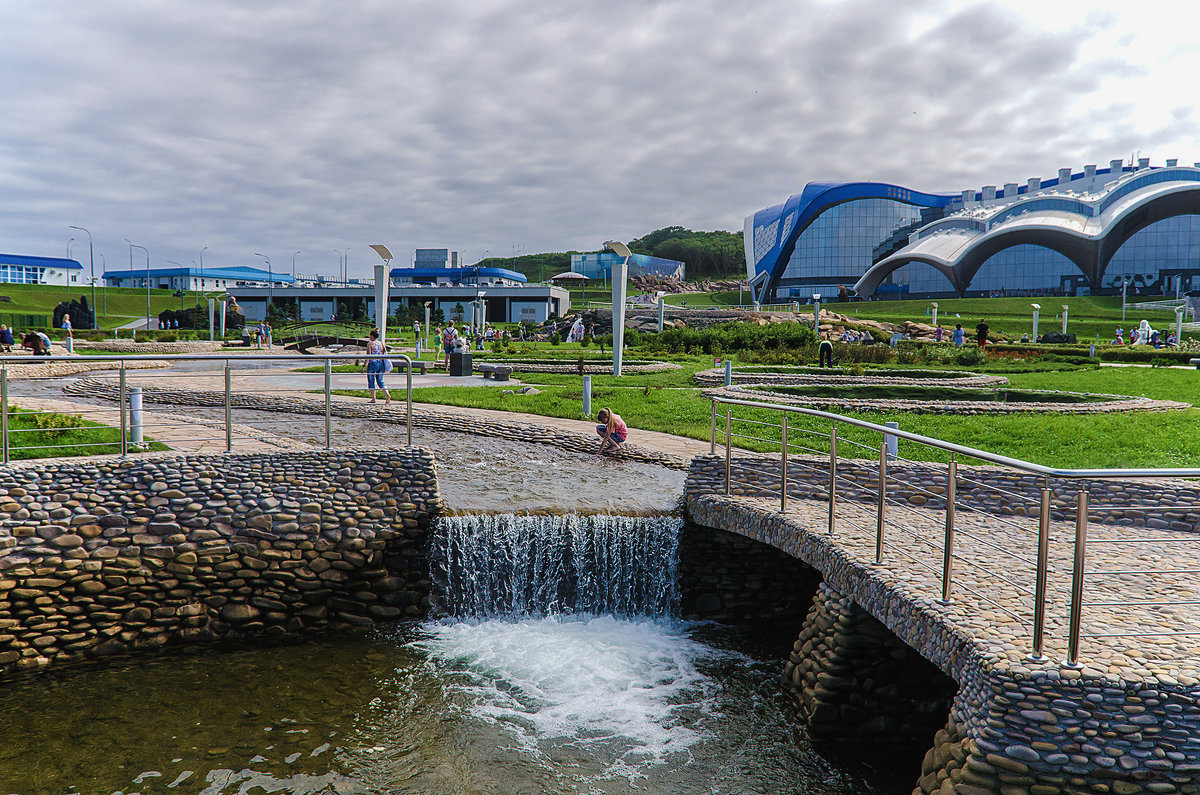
(1104, 404)
(781, 377)
(110, 555)
(1128, 721)
(422, 417)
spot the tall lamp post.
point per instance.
(104, 287)
(270, 286)
(177, 265)
(1124, 285)
(132, 246)
(618, 301)
(92, 263)
(382, 279)
(196, 294)
(67, 271)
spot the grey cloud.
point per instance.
(309, 125)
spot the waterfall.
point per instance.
(502, 564)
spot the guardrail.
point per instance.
(1011, 557)
(228, 368)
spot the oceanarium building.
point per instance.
(1087, 232)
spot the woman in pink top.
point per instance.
(612, 433)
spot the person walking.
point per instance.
(449, 338)
(6, 339)
(959, 336)
(69, 342)
(981, 332)
(375, 367)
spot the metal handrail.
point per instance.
(1040, 564)
(972, 452)
(225, 373)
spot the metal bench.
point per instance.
(500, 372)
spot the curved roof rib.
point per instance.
(772, 233)
(1087, 232)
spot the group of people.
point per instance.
(36, 342)
(1145, 335)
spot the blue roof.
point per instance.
(40, 262)
(238, 273)
(457, 274)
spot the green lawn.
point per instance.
(123, 303)
(669, 402)
(41, 434)
(1012, 317)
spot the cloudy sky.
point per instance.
(503, 127)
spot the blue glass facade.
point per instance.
(1158, 255)
(830, 253)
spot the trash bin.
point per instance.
(460, 364)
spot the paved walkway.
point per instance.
(278, 382)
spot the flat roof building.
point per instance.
(1079, 233)
(25, 269)
(196, 279)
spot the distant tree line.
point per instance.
(707, 254)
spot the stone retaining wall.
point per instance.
(979, 488)
(112, 555)
(422, 417)
(854, 681)
(729, 578)
(1014, 726)
(135, 346)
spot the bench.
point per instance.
(1195, 362)
(416, 366)
(500, 372)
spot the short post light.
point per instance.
(1179, 310)
(1065, 308)
(817, 314)
(1037, 310)
(935, 308)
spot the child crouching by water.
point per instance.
(612, 432)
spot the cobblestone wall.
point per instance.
(853, 680)
(1015, 726)
(980, 488)
(110, 555)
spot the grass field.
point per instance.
(671, 403)
(44, 434)
(123, 303)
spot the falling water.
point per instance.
(511, 564)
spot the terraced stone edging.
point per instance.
(1112, 404)
(743, 376)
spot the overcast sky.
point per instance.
(541, 126)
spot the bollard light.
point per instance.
(1064, 308)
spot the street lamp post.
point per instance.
(270, 286)
(196, 294)
(92, 263)
(178, 265)
(1124, 285)
(294, 267)
(618, 301)
(817, 315)
(426, 329)
(104, 287)
(67, 270)
(132, 246)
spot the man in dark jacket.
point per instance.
(981, 332)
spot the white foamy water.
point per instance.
(622, 691)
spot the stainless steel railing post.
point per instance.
(124, 410)
(832, 478)
(1039, 585)
(4, 408)
(408, 389)
(882, 498)
(948, 547)
(228, 407)
(328, 402)
(712, 433)
(783, 455)
(728, 447)
(1081, 521)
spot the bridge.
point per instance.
(1061, 603)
